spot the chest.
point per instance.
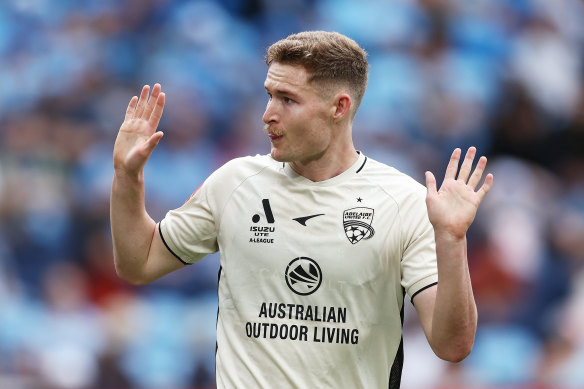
(346, 235)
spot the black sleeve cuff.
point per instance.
(172, 252)
(414, 295)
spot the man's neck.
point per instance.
(327, 166)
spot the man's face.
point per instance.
(298, 120)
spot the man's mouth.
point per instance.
(273, 133)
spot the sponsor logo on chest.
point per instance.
(259, 233)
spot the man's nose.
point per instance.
(270, 115)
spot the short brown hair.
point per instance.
(328, 57)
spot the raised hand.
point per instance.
(138, 137)
(453, 208)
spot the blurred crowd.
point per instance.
(504, 75)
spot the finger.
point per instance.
(475, 178)
(487, 185)
(157, 112)
(142, 102)
(152, 142)
(430, 183)
(131, 108)
(452, 167)
(152, 101)
(464, 171)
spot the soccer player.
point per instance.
(319, 244)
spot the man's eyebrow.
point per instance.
(280, 91)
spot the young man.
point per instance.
(319, 244)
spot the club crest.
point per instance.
(357, 224)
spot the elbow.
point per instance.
(455, 353)
(130, 275)
(130, 278)
(456, 345)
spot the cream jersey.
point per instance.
(313, 274)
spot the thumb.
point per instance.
(430, 183)
(152, 142)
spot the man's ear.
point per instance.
(342, 106)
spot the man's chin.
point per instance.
(278, 156)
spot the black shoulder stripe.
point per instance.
(364, 162)
(172, 252)
(424, 288)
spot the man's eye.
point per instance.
(288, 100)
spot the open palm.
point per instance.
(453, 208)
(137, 136)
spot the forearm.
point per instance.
(454, 319)
(132, 227)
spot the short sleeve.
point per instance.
(190, 232)
(418, 265)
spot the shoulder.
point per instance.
(408, 196)
(248, 165)
(236, 171)
(401, 187)
(239, 169)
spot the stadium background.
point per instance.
(505, 75)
